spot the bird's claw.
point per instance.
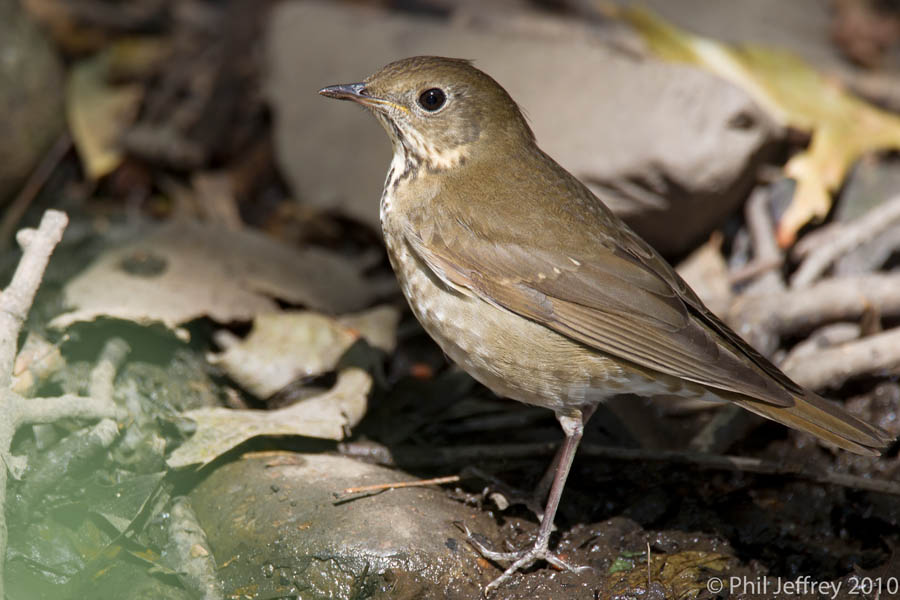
(518, 560)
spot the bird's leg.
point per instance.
(573, 427)
(543, 486)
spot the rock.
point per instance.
(275, 528)
(30, 99)
(662, 144)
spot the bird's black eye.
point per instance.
(432, 99)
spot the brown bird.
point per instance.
(528, 281)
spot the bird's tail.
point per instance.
(826, 421)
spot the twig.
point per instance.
(847, 237)
(767, 255)
(869, 256)
(836, 299)
(29, 411)
(190, 553)
(16, 299)
(15, 410)
(745, 465)
(753, 269)
(380, 487)
(15, 302)
(815, 239)
(826, 336)
(103, 374)
(831, 367)
(443, 456)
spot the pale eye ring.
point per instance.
(432, 99)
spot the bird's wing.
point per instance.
(617, 296)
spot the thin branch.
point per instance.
(189, 548)
(836, 299)
(847, 237)
(103, 375)
(16, 299)
(409, 457)
(767, 255)
(746, 465)
(15, 302)
(870, 255)
(754, 269)
(69, 406)
(831, 367)
(381, 487)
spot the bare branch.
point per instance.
(831, 367)
(836, 299)
(847, 237)
(767, 255)
(104, 373)
(16, 299)
(414, 456)
(68, 406)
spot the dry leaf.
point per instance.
(99, 113)
(183, 271)
(843, 126)
(327, 416)
(286, 346)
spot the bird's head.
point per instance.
(439, 111)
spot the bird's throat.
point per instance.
(405, 162)
(413, 151)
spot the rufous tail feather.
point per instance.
(826, 421)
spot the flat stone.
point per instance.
(276, 530)
(662, 144)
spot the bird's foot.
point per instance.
(518, 560)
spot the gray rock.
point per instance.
(30, 102)
(275, 528)
(671, 147)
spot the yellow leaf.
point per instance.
(99, 113)
(842, 126)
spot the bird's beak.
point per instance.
(347, 91)
(357, 93)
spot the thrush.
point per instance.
(527, 280)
